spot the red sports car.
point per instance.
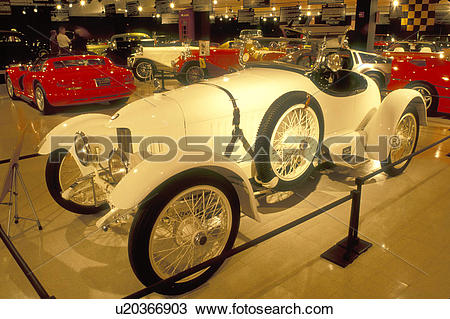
(69, 80)
(191, 68)
(429, 75)
(382, 42)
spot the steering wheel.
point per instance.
(331, 65)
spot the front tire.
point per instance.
(190, 219)
(10, 88)
(40, 99)
(60, 173)
(407, 130)
(291, 162)
(144, 70)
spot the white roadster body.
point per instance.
(349, 110)
(206, 110)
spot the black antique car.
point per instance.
(123, 45)
(15, 48)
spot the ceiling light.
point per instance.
(140, 8)
(395, 3)
(273, 8)
(215, 1)
(220, 19)
(265, 19)
(226, 16)
(58, 6)
(299, 7)
(82, 3)
(275, 19)
(35, 10)
(24, 12)
(70, 5)
(308, 13)
(158, 15)
(172, 5)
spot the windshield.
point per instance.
(78, 62)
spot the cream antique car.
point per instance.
(151, 56)
(183, 160)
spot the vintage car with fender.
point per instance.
(190, 67)
(52, 83)
(430, 75)
(183, 160)
(149, 58)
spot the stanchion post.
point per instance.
(163, 80)
(349, 248)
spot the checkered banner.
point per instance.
(417, 15)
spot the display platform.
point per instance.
(405, 218)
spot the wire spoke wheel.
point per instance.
(144, 70)
(406, 131)
(86, 192)
(291, 142)
(192, 228)
(194, 74)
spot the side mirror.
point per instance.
(334, 62)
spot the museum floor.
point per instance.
(407, 218)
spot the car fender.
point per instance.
(142, 181)
(91, 124)
(385, 119)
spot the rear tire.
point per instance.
(191, 72)
(429, 94)
(410, 116)
(155, 227)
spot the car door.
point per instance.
(34, 73)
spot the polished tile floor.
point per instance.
(407, 218)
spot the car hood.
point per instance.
(157, 115)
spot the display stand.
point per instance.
(11, 188)
(349, 248)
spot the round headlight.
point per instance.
(118, 165)
(82, 148)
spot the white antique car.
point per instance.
(172, 160)
(149, 58)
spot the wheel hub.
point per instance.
(199, 239)
(187, 231)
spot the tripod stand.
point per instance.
(15, 175)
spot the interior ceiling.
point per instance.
(96, 7)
